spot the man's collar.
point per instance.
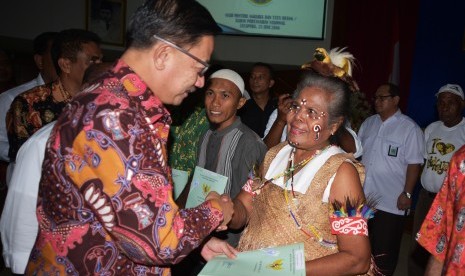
(227, 129)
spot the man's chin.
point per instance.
(176, 103)
(179, 99)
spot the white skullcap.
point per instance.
(231, 76)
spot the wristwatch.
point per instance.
(407, 194)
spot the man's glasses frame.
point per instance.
(205, 64)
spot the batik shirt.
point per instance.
(30, 111)
(105, 199)
(183, 154)
(442, 232)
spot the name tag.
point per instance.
(392, 151)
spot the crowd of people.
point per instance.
(90, 147)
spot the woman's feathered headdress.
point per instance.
(337, 63)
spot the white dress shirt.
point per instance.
(18, 224)
(388, 148)
(6, 98)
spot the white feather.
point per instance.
(340, 58)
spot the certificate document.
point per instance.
(203, 182)
(179, 181)
(281, 260)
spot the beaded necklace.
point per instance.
(290, 170)
(313, 233)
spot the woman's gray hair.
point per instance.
(338, 90)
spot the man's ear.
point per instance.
(271, 83)
(65, 65)
(38, 60)
(397, 100)
(161, 54)
(242, 101)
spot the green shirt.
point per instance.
(185, 140)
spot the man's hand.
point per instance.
(403, 202)
(215, 247)
(226, 204)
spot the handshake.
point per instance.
(213, 246)
(227, 206)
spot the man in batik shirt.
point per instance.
(72, 51)
(442, 232)
(105, 201)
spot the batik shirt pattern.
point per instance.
(183, 154)
(443, 231)
(29, 112)
(105, 199)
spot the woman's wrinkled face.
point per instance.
(308, 118)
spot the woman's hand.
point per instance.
(215, 247)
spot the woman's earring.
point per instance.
(317, 129)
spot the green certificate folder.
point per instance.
(179, 181)
(203, 182)
(281, 260)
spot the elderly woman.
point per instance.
(309, 190)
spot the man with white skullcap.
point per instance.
(229, 147)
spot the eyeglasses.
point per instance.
(206, 65)
(382, 98)
(307, 112)
(95, 59)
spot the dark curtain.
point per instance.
(371, 30)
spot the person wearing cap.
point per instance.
(393, 151)
(443, 138)
(189, 123)
(229, 147)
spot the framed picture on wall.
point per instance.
(107, 18)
